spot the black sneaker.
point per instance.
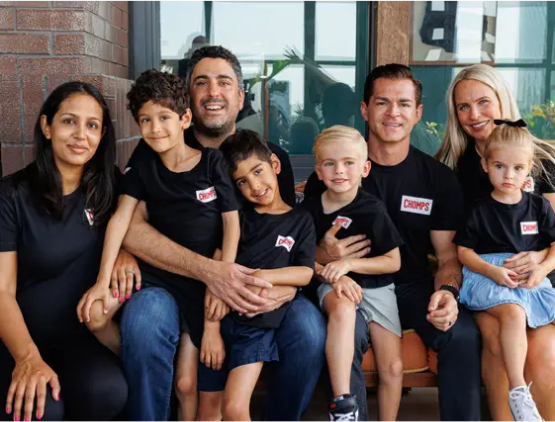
(344, 408)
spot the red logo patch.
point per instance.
(344, 221)
(416, 205)
(529, 227)
(206, 195)
(286, 242)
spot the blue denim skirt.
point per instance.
(479, 292)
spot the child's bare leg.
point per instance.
(340, 341)
(103, 326)
(238, 391)
(186, 379)
(389, 359)
(514, 342)
(210, 406)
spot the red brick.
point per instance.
(23, 43)
(125, 22)
(12, 159)
(112, 106)
(116, 17)
(62, 65)
(7, 65)
(105, 10)
(26, 4)
(116, 35)
(54, 81)
(123, 5)
(10, 129)
(58, 20)
(69, 43)
(98, 26)
(6, 18)
(85, 5)
(33, 97)
(117, 54)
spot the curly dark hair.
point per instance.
(215, 52)
(243, 144)
(161, 88)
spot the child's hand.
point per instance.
(349, 288)
(214, 309)
(97, 292)
(212, 349)
(504, 277)
(333, 271)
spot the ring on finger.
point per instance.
(130, 272)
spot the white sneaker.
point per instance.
(522, 405)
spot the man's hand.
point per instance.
(228, 281)
(275, 298)
(524, 263)
(331, 249)
(349, 288)
(504, 277)
(125, 272)
(333, 271)
(442, 310)
(537, 275)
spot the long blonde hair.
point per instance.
(455, 139)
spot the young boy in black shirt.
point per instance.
(189, 198)
(365, 284)
(277, 239)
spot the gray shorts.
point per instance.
(378, 305)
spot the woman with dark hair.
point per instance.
(53, 215)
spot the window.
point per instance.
(309, 59)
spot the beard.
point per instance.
(213, 130)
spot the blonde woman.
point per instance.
(477, 96)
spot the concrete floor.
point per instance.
(420, 404)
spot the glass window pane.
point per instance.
(335, 30)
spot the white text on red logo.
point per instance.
(286, 242)
(344, 221)
(529, 227)
(416, 205)
(207, 195)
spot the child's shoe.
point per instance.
(522, 405)
(344, 408)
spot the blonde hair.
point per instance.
(340, 133)
(455, 139)
(506, 135)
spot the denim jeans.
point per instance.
(150, 332)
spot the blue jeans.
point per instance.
(150, 333)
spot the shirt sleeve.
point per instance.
(448, 208)
(468, 234)
(305, 251)
(547, 225)
(9, 222)
(225, 190)
(132, 182)
(383, 233)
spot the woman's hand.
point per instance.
(29, 379)
(333, 271)
(524, 262)
(348, 287)
(212, 349)
(126, 270)
(536, 276)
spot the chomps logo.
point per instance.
(90, 216)
(416, 205)
(286, 242)
(207, 195)
(344, 221)
(529, 227)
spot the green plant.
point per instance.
(541, 120)
(436, 129)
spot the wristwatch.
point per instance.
(451, 288)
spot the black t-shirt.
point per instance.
(493, 227)
(285, 178)
(420, 194)
(475, 181)
(272, 241)
(57, 259)
(187, 208)
(365, 215)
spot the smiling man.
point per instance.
(424, 200)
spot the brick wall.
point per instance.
(46, 43)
